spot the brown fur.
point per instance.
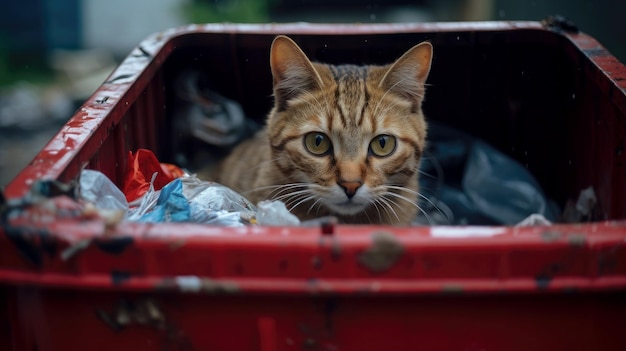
(351, 105)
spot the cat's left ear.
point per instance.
(407, 76)
(292, 71)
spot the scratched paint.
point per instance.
(466, 232)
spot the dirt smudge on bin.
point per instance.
(550, 236)
(383, 253)
(114, 246)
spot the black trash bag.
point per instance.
(464, 180)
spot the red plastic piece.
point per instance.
(143, 165)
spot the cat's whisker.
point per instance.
(388, 207)
(401, 188)
(425, 198)
(293, 199)
(396, 202)
(260, 165)
(288, 196)
(410, 201)
(368, 217)
(443, 214)
(305, 199)
(319, 199)
(380, 216)
(277, 189)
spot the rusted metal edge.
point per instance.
(614, 71)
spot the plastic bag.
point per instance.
(189, 199)
(275, 213)
(208, 116)
(467, 181)
(98, 189)
(142, 165)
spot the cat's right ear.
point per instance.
(292, 71)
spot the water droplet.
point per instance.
(458, 38)
(573, 96)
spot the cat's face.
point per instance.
(348, 139)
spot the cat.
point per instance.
(343, 141)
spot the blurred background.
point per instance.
(55, 53)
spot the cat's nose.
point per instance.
(350, 188)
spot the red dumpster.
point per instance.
(80, 283)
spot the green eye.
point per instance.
(383, 145)
(317, 143)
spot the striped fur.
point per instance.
(352, 106)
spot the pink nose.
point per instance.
(350, 188)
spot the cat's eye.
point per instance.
(317, 143)
(383, 145)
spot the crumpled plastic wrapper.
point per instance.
(97, 189)
(189, 199)
(275, 213)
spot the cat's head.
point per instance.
(348, 138)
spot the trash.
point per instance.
(586, 201)
(584, 209)
(142, 165)
(206, 124)
(467, 181)
(275, 213)
(533, 219)
(189, 199)
(207, 115)
(171, 206)
(99, 190)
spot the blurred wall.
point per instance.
(30, 28)
(120, 25)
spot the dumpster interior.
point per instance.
(529, 94)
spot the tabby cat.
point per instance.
(344, 140)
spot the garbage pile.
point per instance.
(155, 192)
(466, 181)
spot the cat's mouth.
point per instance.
(348, 207)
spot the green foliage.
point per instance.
(14, 68)
(237, 11)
